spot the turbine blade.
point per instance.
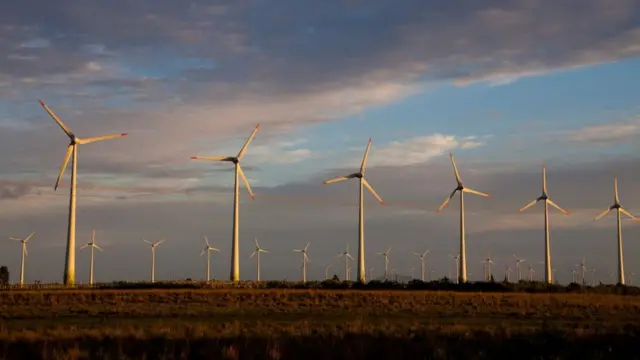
(15, 239)
(246, 144)
(306, 258)
(615, 190)
(159, 242)
(93, 236)
(364, 158)
(350, 257)
(416, 254)
(388, 250)
(206, 240)
(99, 138)
(98, 247)
(60, 123)
(455, 168)
(557, 207)
(65, 162)
(375, 194)
(339, 255)
(306, 247)
(26, 253)
(529, 205)
(426, 252)
(446, 201)
(202, 253)
(29, 237)
(255, 240)
(211, 158)
(622, 210)
(148, 242)
(472, 191)
(544, 179)
(295, 250)
(338, 179)
(252, 254)
(83, 246)
(602, 214)
(263, 250)
(214, 249)
(246, 182)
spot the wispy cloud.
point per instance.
(606, 134)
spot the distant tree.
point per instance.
(492, 279)
(4, 275)
(335, 278)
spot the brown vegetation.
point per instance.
(281, 323)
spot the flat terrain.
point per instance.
(282, 323)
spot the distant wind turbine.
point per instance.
(93, 246)
(305, 259)
(153, 257)
(487, 267)
(583, 269)
(326, 271)
(547, 201)
(235, 257)
(413, 272)
(619, 210)
(457, 260)
(371, 273)
(531, 272)
(347, 256)
(363, 183)
(593, 277)
(24, 253)
(72, 149)
(208, 249)
(422, 256)
(507, 273)
(462, 271)
(257, 252)
(386, 262)
(431, 272)
(518, 268)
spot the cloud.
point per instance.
(606, 134)
(420, 149)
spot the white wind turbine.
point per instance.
(431, 272)
(518, 268)
(93, 246)
(413, 272)
(422, 256)
(363, 183)
(326, 271)
(507, 273)
(371, 273)
(257, 252)
(487, 267)
(583, 269)
(208, 249)
(347, 256)
(386, 262)
(531, 272)
(593, 277)
(153, 257)
(305, 259)
(235, 260)
(24, 253)
(457, 260)
(619, 210)
(72, 149)
(547, 201)
(462, 271)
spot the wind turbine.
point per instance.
(545, 197)
(93, 245)
(462, 271)
(371, 274)
(619, 210)
(153, 257)
(487, 267)
(413, 272)
(72, 149)
(593, 277)
(431, 272)
(208, 249)
(531, 272)
(326, 271)
(305, 259)
(507, 272)
(347, 256)
(24, 253)
(518, 269)
(235, 259)
(363, 183)
(573, 276)
(583, 269)
(386, 262)
(257, 252)
(421, 256)
(457, 260)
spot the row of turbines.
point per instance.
(461, 189)
(578, 273)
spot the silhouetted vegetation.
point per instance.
(4, 275)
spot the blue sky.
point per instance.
(505, 85)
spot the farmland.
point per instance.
(284, 323)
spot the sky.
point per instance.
(507, 86)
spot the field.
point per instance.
(315, 324)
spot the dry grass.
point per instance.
(285, 322)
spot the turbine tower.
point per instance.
(363, 183)
(24, 253)
(235, 260)
(518, 268)
(547, 201)
(457, 260)
(386, 262)
(208, 249)
(462, 271)
(305, 259)
(487, 267)
(619, 210)
(326, 271)
(93, 246)
(531, 272)
(421, 256)
(257, 252)
(153, 257)
(347, 256)
(72, 149)
(583, 269)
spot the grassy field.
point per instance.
(315, 324)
